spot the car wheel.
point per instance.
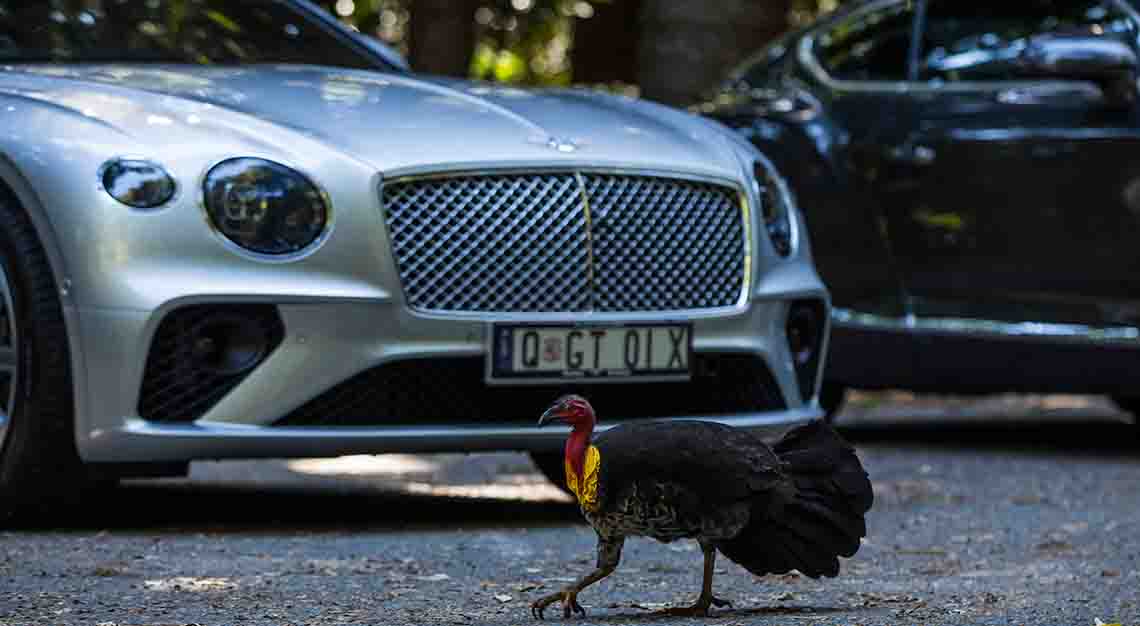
(1130, 404)
(553, 467)
(39, 463)
(831, 397)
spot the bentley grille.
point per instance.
(565, 242)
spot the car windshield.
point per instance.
(202, 32)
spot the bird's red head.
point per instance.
(573, 410)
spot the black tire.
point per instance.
(831, 396)
(39, 463)
(1130, 404)
(553, 467)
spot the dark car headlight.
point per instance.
(264, 206)
(137, 183)
(775, 208)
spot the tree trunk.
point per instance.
(687, 47)
(442, 36)
(605, 45)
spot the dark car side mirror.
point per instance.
(1110, 63)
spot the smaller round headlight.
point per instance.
(137, 183)
(264, 206)
(775, 208)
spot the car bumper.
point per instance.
(329, 341)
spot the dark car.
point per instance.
(971, 177)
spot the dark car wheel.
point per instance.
(1130, 404)
(553, 467)
(39, 464)
(831, 397)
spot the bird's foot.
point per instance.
(700, 609)
(569, 598)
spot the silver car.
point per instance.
(241, 230)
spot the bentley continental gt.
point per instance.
(243, 230)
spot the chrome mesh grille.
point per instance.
(523, 242)
(492, 243)
(663, 244)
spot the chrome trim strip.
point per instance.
(805, 53)
(1127, 336)
(182, 442)
(589, 238)
(578, 170)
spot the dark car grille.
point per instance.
(572, 241)
(177, 386)
(452, 391)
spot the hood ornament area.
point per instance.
(561, 144)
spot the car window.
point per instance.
(207, 32)
(868, 45)
(980, 41)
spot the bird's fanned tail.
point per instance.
(819, 518)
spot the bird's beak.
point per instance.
(551, 416)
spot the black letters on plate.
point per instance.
(597, 335)
(678, 339)
(573, 357)
(631, 355)
(530, 349)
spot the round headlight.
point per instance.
(775, 208)
(264, 206)
(137, 183)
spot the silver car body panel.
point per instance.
(121, 270)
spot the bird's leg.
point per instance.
(707, 599)
(609, 555)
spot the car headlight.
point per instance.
(264, 206)
(137, 183)
(775, 208)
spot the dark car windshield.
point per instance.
(203, 32)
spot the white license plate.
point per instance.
(553, 352)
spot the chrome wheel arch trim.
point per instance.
(1126, 336)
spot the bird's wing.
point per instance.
(697, 465)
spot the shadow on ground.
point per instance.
(273, 508)
(337, 506)
(1086, 437)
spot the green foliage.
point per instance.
(517, 41)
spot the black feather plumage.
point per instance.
(798, 505)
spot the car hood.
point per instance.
(393, 122)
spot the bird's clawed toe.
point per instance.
(569, 600)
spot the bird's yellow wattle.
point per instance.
(585, 490)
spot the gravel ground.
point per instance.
(995, 511)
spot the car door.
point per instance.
(1014, 197)
(809, 102)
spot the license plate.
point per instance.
(563, 352)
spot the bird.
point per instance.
(797, 505)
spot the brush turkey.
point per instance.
(796, 506)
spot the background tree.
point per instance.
(442, 36)
(605, 48)
(686, 47)
(669, 50)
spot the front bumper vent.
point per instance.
(201, 352)
(451, 391)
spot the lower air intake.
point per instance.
(452, 391)
(200, 353)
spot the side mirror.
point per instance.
(1110, 63)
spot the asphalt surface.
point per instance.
(1003, 511)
